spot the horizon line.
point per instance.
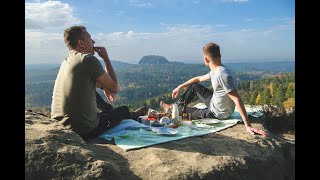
(190, 62)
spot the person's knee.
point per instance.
(124, 108)
(195, 85)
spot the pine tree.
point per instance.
(251, 86)
(266, 96)
(258, 99)
(271, 88)
(278, 97)
(290, 91)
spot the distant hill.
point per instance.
(48, 72)
(153, 59)
(117, 65)
(281, 66)
(40, 66)
(176, 63)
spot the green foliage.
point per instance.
(147, 84)
(278, 97)
(266, 96)
(290, 90)
(274, 90)
(289, 104)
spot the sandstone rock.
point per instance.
(55, 152)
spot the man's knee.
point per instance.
(195, 85)
(123, 108)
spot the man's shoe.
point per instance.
(138, 112)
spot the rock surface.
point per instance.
(55, 152)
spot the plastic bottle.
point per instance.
(175, 114)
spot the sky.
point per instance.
(246, 30)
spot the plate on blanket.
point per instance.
(164, 131)
(210, 121)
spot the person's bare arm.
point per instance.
(110, 96)
(243, 113)
(107, 81)
(196, 79)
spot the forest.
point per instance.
(147, 84)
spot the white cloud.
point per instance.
(184, 43)
(120, 13)
(287, 23)
(176, 42)
(97, 11)
(50, 14)
(247, 30)
(44, 47)
(249, 19)
(140, 3)
(220, 25)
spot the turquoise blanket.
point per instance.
(130, 134)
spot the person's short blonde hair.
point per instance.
(212, 50)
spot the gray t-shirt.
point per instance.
(223, 82)
(74, 93)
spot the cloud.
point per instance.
(220, 25)
(120, 13)
(288, 23)
(283, 23)
(97, 11)
(247, 30)
(50, 14)
(44, 47)
(178, 42)
(140, 3)
(250, 19)
(184, 43)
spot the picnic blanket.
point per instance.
(130, 134)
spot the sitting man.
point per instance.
(75, 100)
(222, 101)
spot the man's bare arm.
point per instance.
(108, 80)
(243, 113)
(196, 79)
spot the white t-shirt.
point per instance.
(223, 82)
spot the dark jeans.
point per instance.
(204, 94)
(109, 117)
